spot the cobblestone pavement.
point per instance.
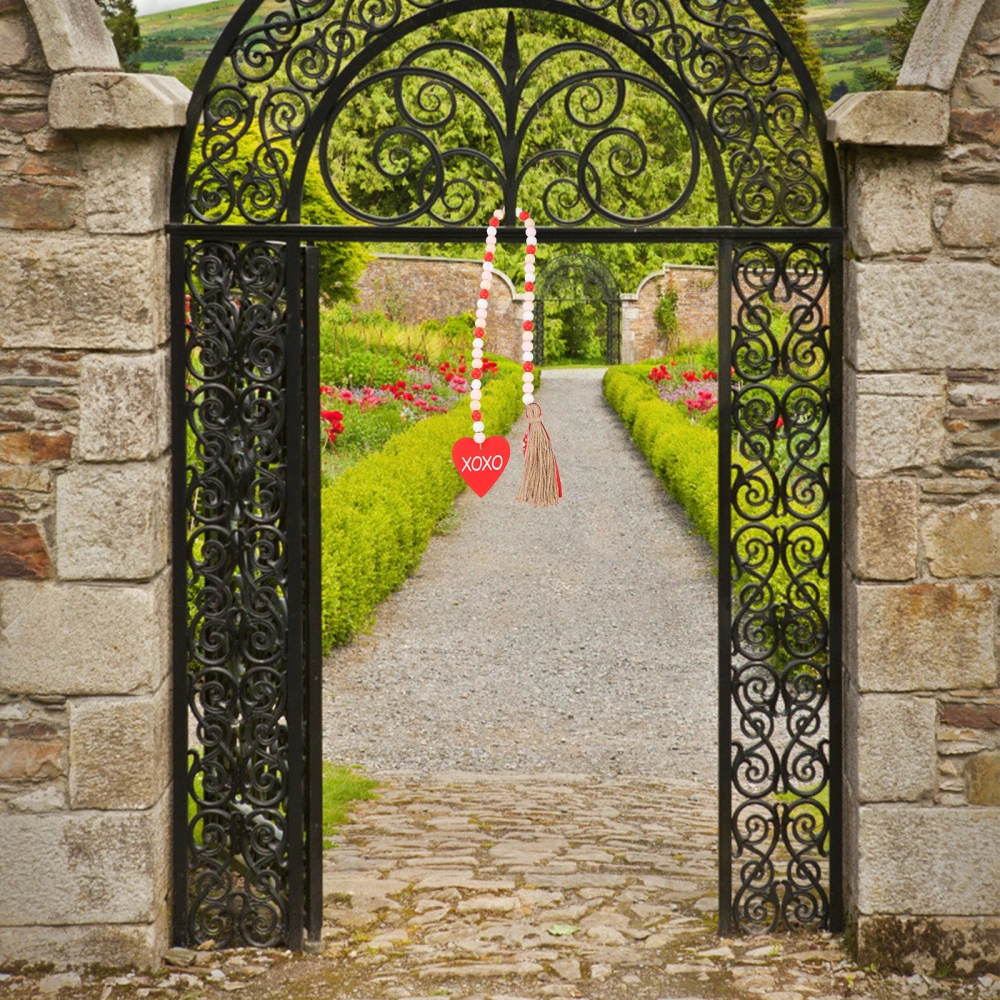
(495, 887)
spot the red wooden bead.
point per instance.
(488, 256)
(529, 286)
(476, 415)
(483, 294)
(494, 221)
(479, 332)
(477, 373)
(528, 366)
(523, 216)
(528, 325)
(529, 249)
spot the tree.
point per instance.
(898, 35)
(791, 13)
(121, 20)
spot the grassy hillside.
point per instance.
(177, 41)
(844, 31)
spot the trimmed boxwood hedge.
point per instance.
(378, 515)
(682, 454)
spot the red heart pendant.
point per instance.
(481, 465)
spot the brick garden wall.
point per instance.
(423, 288)
(697, 311)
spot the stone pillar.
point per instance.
(85, 158)
(922, 478)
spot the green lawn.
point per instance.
(341, 787)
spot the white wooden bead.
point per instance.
(479, 426)
(491, 230)
(527, 377)
(477, 383)
(476, 394)
(527, 356)
(526, 345)
(477, 353)
(477, 341)
(527, 398)
(479, 438)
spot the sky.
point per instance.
(155, 6)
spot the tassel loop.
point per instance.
(540, 482)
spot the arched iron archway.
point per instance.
(724, 74)
(576, 277)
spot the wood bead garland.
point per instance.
(540, 485)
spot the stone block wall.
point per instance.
(922, 449)
(85, 155)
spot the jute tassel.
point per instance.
(540, 483)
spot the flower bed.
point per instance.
(358, 419)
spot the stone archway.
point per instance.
(83, 321)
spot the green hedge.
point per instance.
(377, 516)
(682, 454)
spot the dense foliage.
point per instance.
(121, 20)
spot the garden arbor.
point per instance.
(580, 278)
(613, 131)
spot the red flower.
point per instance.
(408, 396)
(780, 422)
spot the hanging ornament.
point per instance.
(480, 460)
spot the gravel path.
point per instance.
(576, 638)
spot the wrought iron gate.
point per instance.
(579, 277)
(712, 88)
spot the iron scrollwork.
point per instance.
(456, 184)
(781, 494)
(237, 578)
(717, 51)
(276, 103)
